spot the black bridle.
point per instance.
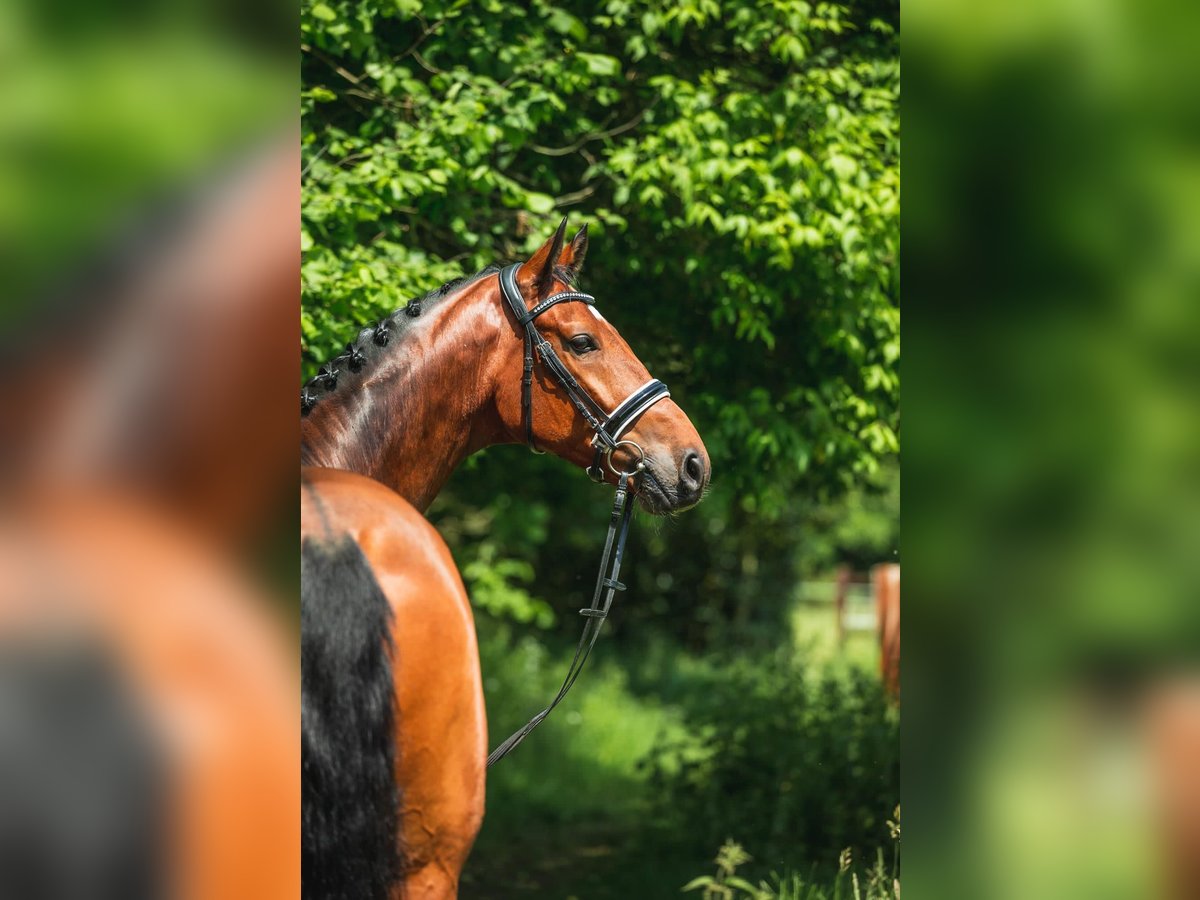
(609, 429)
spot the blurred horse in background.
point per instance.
(886, 579)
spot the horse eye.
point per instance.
(583, 343)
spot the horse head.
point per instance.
(582, 362)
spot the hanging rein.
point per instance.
(608, 429)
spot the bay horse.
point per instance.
(393, 725)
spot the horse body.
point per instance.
(401, 408)
(440, 742)
(887, 604)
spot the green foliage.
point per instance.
(738, 164)
(725, 885)
(876, 883)
(115, 110)
(859, 529)
(497, 586)
(585, 791)
(581, 762)
(797, 764)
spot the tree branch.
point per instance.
(349, 76)
(426, 31)
(312, 162)
(592, 136)
(574, 196)
(361, 88)
(425, 64)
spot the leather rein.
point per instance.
(609, 429)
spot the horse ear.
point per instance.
(573, 255)
(539, 270)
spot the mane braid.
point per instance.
(370, 343)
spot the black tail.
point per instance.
(349, 830)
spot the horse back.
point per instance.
(401, 545)
(435, 678)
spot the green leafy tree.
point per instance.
(738, 164)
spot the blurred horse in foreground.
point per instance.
(149, 712)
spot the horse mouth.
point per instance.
(657, 499)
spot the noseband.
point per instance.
(608, 427)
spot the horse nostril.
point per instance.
(693, 470)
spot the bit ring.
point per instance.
(641, 463)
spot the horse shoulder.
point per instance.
(410, 559)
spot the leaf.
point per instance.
(565, 23)
(743, 885)
(323, 12)
(600, 65)
(651, 195)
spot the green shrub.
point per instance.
(879, 882)
(799, 767)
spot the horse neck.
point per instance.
(428, 406)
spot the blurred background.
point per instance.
(738, 167)
(1052, 490)
(149, 691)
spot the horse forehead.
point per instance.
(595, 312)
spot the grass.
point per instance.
(565, 810)
(602, 729)
(814, 628)
(877, 882)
